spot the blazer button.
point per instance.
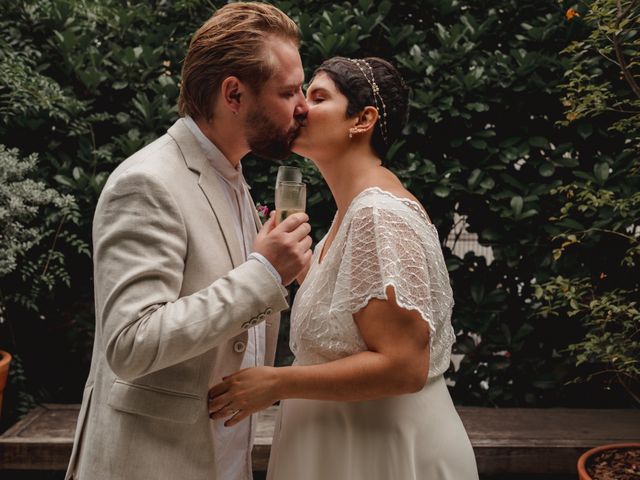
(261, 317)
(239, 347)
(246, 325)
(268, 311)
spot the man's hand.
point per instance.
(286, 246)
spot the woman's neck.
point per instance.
(348, 174)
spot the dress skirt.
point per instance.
(409, 437)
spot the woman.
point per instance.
(370, 325)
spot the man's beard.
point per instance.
(266, 139)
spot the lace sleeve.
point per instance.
(386, 247)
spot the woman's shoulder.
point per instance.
(388, 201)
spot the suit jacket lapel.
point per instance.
(210, 186)
(256, 217)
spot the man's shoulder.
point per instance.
(160, 159)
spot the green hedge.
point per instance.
(86, 84)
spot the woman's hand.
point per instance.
(243, 393)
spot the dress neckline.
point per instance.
(415, 206)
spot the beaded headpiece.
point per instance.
(365, 67)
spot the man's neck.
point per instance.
(226, 137)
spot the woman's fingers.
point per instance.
(237, 418)
(217, 403)
(218, 389)
(227, 411)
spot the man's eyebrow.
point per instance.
(292, 86)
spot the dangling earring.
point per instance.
(352, 130)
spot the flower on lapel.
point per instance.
(263, 212)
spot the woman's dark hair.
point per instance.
(351, 82)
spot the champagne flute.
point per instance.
(291, 193)
(288, 174)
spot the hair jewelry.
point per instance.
(376, 94)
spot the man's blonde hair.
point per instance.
(231, 42)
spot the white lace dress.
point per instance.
(383, 241)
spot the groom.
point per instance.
(186, 289)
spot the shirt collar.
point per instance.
(232, 175)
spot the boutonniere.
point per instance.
(263, 212)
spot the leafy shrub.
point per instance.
(597, 254)
(32, 216)
(94, 81)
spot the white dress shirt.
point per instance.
(233, 445)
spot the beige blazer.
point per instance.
(174, 299)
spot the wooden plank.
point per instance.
(507, 440)
(42, 440)
(542, 441)
(264, 436)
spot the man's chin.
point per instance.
(273, 153)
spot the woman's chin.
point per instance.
(297, 147)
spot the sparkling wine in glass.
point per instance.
(291, 193)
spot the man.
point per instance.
(187, 290)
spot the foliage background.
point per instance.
(86, 83)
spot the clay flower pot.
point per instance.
(5, 359)
(584, 459)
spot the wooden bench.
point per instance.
(505, 441)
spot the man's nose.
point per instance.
(302, 108)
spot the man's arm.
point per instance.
(140, 245)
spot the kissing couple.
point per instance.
(189, 284)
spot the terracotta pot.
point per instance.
(584, 458)
(5, 360)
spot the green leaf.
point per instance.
(490, 235)
(570, 223)
(601, 172)
(441, 191)
(479, 144)
(475, 176)
(585, 129)
(539, 142)
(516, 205)
(488, 183)
(547, 169)
(477, 292)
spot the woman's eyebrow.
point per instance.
(316, 90)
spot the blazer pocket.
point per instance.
(155, 402)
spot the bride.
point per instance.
(371, 323)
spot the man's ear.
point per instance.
(366, 119)
(231, 92)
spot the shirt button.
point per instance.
(239, 347)
(261, 317)
(268, 311)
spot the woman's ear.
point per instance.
(231, 91)
(366, 120)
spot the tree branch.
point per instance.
(617, 46)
